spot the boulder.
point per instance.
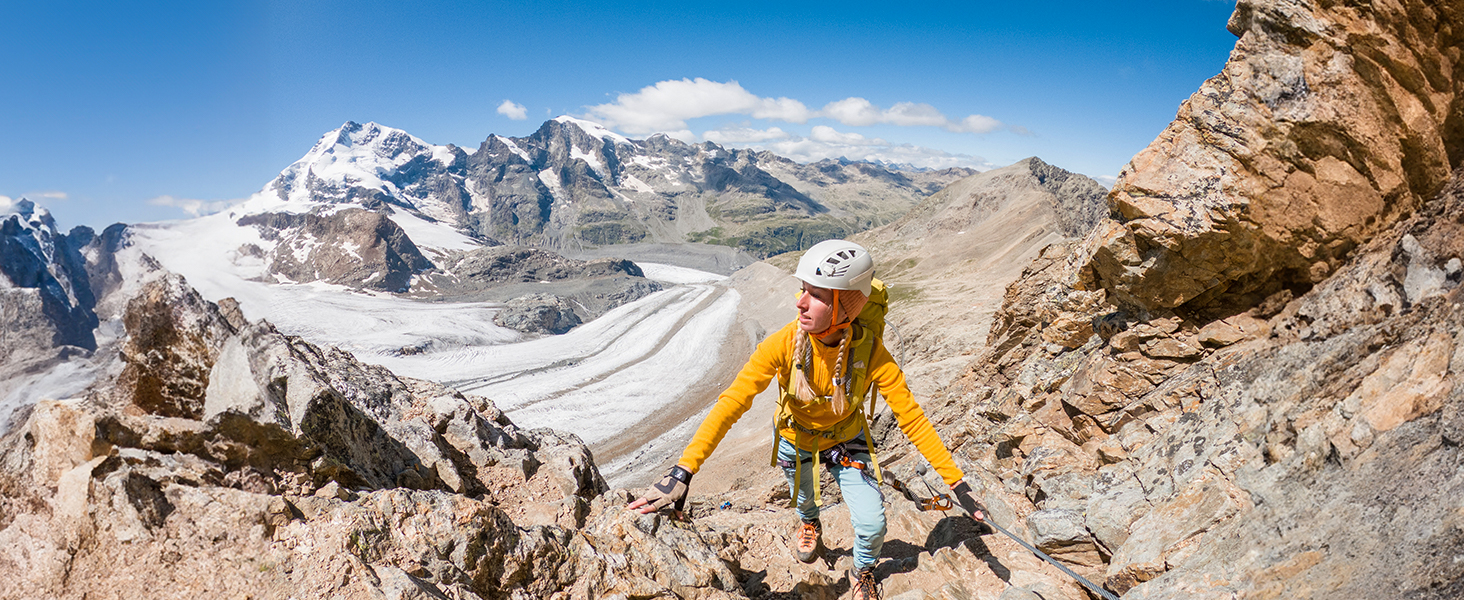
(538, 313)
(1325, 127)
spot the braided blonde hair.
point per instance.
(803, 365)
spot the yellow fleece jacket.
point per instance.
(772, 359)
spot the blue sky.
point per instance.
(122, 111)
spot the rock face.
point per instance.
(1328, 124)
(55, 291)
(359, 248)
(1274, 460)
(573, 183)
(1247, 384)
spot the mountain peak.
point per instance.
(31, 215)
(593, 128)
(23, 207)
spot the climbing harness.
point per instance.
(841, 454)
(945, 502)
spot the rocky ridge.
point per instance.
(57, 292)
(1225, 392)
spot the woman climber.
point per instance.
(826, 364)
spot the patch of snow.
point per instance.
(426, 234)
(304, 246)
(551, 181)
(654, 163)
(514, 148)
(594, 129)
(635, 184)
(443, 155)
(677, 275)
(593, 160)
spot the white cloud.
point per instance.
(911, 114)
(977, 124)
(824, 133)
(195, 208)
(667, 105)
(743, 135)
(852, 111)
(53, 195)
(5, 203)
(1106, 180)
(827, 142)
(860, 113)
(513, 110)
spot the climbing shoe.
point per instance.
(862, 585)
(808, 541)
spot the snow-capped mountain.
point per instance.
(44, 273)
(369, 164)
(574, 183)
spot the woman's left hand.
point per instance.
(962, 492)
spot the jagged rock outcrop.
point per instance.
(1246, 386)
(1329, 123)
(1273, 460)
(172, 343)
(358, 248)
(308, 474)
(483, 268)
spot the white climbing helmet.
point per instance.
(837, 265)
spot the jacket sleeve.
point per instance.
(767, 360)
(890, 380)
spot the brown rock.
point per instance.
(1171, 349)
(1069, 330)
(1410, 383)
(1160, 532)
(1325, 127)
(173, 337)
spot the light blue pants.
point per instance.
(866, 504)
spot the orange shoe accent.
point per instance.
(862, 585)
(810, 541)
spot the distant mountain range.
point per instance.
(573, 184)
